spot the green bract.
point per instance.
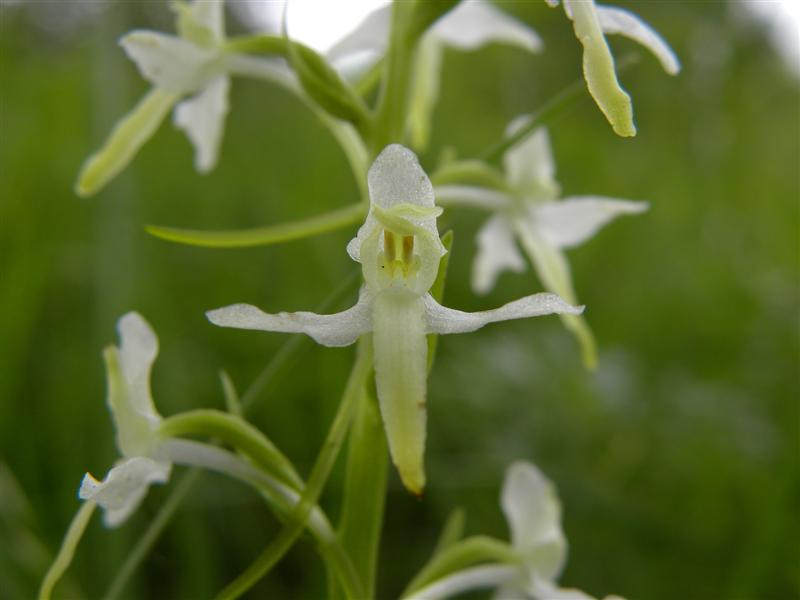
(532, 214)
(399, 249)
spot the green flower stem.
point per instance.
(67, 550)
(262, 236)
(238, 433)
(458, 556)
(365, 490)
(393, 100)
(319, 475)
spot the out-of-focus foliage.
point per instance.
(677, 461)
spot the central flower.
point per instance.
(399, 249)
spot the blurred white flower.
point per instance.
(399, 250)
(530, 213)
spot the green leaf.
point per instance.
(365, 490)
(262, 236)
(458, 556)
(437, 291)
(452, 531)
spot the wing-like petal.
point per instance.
(203, 119)
(170, 62)
(444, 320)
(576, 219)
(473, 24)
(533, 512)
(137, 351)
(370, 35)
(497, 251)
(622, 22)
(339, 329)
(124, 487)
(598, 67)
(529, 164)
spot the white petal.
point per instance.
(372, 34)
(447, 320)
(471, 195)
(574, 220)
(529, 164)
(137, 351)
(339, 329)
(533, 512)
(542, 589)
(169, 62)
(124, 487)
(620, 21)
(401, 358)
(211, 15)
(203, 119)
(466, 580)
(497, 251)
(475, 23)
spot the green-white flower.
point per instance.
(469, 26)
(135, 417)
(189, 72)
(529, 213)
(591, 22)
(399, 250)
(538, 545)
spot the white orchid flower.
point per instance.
(531, 214)
(191, 65)
(591, 22)
(136, 420)
(399, 250)
(533, 512)
(469, 26)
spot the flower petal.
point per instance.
(447, 320)
(542, 589)
(371, 34)
(533, 512)
(473, 24)
(623, 22)
(529, 164)
(497, 251)
(401, 357)
(124, 487)
(339, 329)
(598, 67)
(576, 219)
(553, 270)
(203, 118)
(169, 62)
(137, 352)
(129, 134)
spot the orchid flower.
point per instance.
(538, 546)
(399, 250)
(191, 65)
(529, 212)
(136, 420)
(469, 26)
(591, 22)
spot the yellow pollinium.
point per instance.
(398, 258)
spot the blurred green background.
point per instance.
(676, 462)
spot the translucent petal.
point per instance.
(574, 220)
(401, 356)
(529, 164)
(203, 119)
(170, 62)
(124, 487)
(475, 23)
(533, 512)
(447, 320)
(371, 34)
(622, 22)
(339, 329)
(470, 195)
(497, 251)
(137, 351)
(598, 68)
